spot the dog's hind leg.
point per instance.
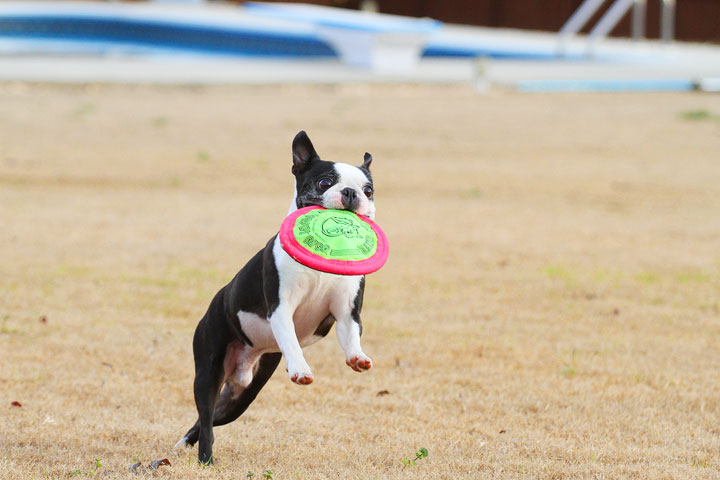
(209, 345)
(208, 379)
(193, 435)
(231, 405)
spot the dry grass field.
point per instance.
(550, 309)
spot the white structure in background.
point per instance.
(384, 43)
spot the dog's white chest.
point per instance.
(312, 295)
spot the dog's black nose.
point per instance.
(349, 198)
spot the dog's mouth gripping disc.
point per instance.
(334, 241)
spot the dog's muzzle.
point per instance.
(350, 199)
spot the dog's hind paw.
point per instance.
(359, 363)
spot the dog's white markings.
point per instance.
(278, 333)
(257, 330)
(181, 443)
(354, 178)
(306, 296)
(281, 322)
(348, 333)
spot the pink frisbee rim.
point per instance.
(339, 267)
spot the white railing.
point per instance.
(610, 19)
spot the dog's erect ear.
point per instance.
(303, 152)
(367, 160)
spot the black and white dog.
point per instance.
(275, 306)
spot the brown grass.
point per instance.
(550, 308)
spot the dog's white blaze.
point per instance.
(354, 178)
(351, 176)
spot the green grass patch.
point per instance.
(570, 366)
(160, 121)
(681, 277)
(647, 277)
(472, 192)
(202, 156)
(4, 328)
(175, 181)
(83, 110)
(696, 115)
(419, 455)
(173, 292)
(608, 276)
(692, 277)
(191, 273)
(559, 272)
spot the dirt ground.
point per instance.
(550, 308)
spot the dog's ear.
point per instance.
(303, 152)
(367, 160)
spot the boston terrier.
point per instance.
(275, 306)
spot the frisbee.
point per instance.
(334, 241)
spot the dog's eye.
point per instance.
(368, 191)
(324, 183)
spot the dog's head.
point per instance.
(329, 184)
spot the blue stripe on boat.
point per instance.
(157, 34)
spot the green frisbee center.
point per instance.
(335, 235)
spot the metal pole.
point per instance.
(580, 17)
(638, 19)
(667, 20)
(610, 19)
(576, 21)
(607, 23)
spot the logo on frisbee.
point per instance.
(336, 226)
(335, 234)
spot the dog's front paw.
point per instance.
(301, 377)
(359, 363)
